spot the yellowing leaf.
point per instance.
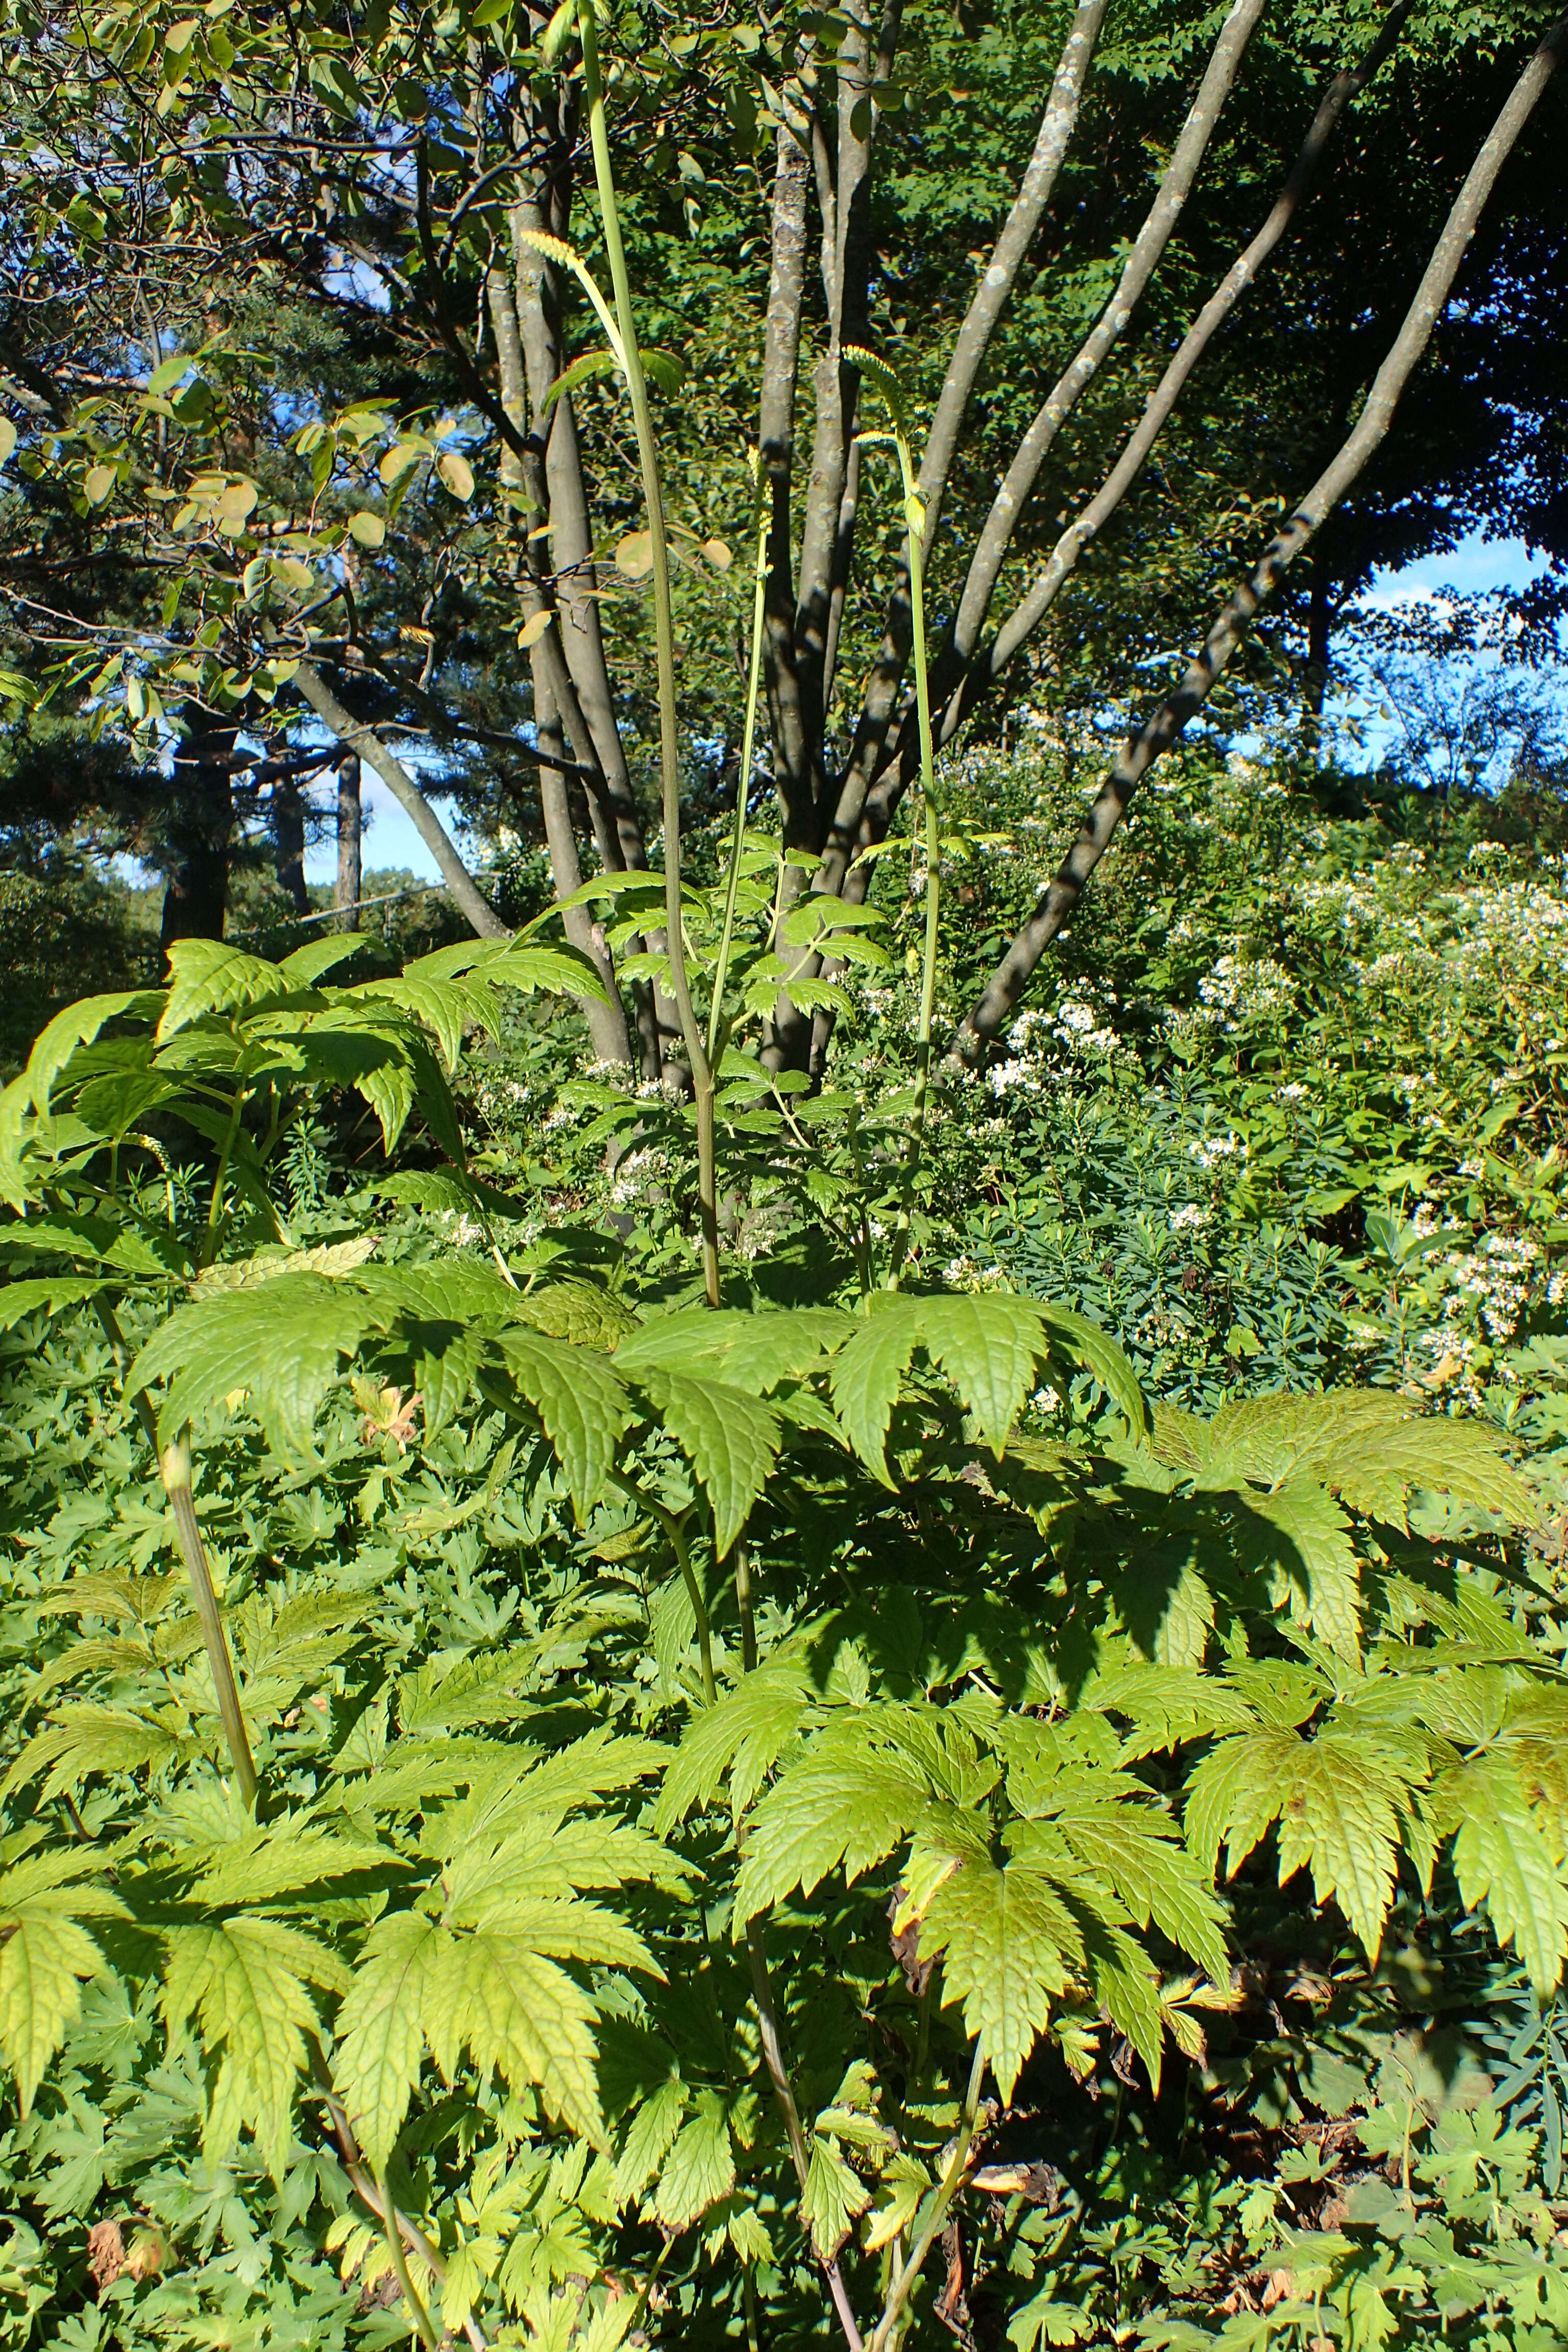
(368, 529)
(99, 482)
(457, 473)
(634, 556)
(533, 628)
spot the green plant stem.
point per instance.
(888, 2327)
(718, 1035)
(423, 2325)
(664, 648)
(648, 2283)
(699, 1607)
(915, 514)
(783, 2093)
(214, 1230)
(174, 1469)
(674, 1528)
(373, 2198)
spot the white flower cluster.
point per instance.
(1244, 989)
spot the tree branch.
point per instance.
(355, 736)
(1166, 210)
(1149, 742)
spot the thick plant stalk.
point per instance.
(717, 1033)
(917, 521)
(371, 2196)
(1151, 742)
(783, 2093)
(887, 2327)
(423, 2326)
(664, 644)
(174, 1469)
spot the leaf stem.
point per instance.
(886, 2328)
(744, 1607)
(423, 2325)
(699, 1606)
(174, 1469)
(664, 648)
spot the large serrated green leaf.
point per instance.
(700, 2167)
(867, 1372)
(283, 1343)
(1001, 1935)
(581, 1401)
(1505, 1858)
(247, 1981)
(731, 1439)
(987, 1347)
(45, 1954)
(1298, 1530)
(380, 2035)
(209, 976)
(43, 1293)
(848, 1800)
(1084, 1343)
(754, 1352)
(744, 1735)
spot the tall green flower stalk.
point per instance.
(629, 359)
(881, 378)
(718, 1032)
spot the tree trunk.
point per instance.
(288, 811)
(351, 832)
(200, 833)
(1315, 679)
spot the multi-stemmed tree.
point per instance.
(314, 414)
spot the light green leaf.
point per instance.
(834, 2198)
(282, 1343)
(700, 2167)
(744, 1735)
(380, 2036)
(581, 1401)
(247, 1981)
(1505, 1858)
(207, 976)
(848, 1800)
(1001, 1935)
(45, 1954)
(648, 2135)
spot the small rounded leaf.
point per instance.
(718, 554)
(8, 438)
(368, 529)
(101, 481)
(634, 554)
(533, 628)
(457, 473)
